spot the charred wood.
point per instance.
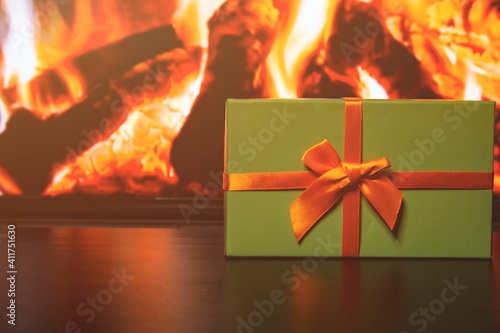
(360, 38)
(117, 58)
(96, 66)
(32, 149)
(240, 38)
(320, 82)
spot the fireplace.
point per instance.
(125, 99)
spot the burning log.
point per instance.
(360, 39)
(63, 137)
(240, 38)
(154, 78)
(32, 159)
(135, 159)
(53, 86)
(117, 58)
(386, 59)
(393, 69)
(320, 82)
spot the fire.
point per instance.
(41, 44)
(455, 44)
(138, 149)
(20, 63)
(473, 91)
(454, 40)
(141, 146)
(190, 20)
(7, 185)
(369, 88)
(299, 34)
(4, 114)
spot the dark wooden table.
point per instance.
(91, 277)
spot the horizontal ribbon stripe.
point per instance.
(402, 180)
(442, 180)
(268, 181)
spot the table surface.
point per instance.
(174, 278)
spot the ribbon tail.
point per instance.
(316, 200)
(384, 196)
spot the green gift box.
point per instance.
(441, 156)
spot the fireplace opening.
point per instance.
(126, 98)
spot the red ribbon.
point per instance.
(331, 179)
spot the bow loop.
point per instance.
(322, 157)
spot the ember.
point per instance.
(128, 97)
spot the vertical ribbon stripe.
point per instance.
(352, 199)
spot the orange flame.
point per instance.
(369, 88)
(4, 114)
(299, 34)
(18, 47)
(40, 41)
(459, 50)
(458, 45)
(190, 20)
(473, 91)
(141, 146)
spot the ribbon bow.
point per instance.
(337, 179)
